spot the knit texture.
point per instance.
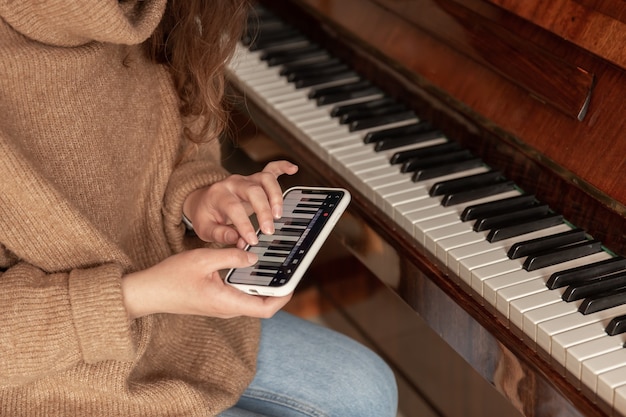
(94, 170)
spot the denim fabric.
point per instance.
(308, 370)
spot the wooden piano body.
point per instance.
(535, 89)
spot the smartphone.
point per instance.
(309, 215)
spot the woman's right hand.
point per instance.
(189, 283)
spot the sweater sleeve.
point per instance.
(201, 167)
(52, 322)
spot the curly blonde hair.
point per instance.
(196, 39)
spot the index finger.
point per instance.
(278, 168)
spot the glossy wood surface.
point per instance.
(596, 25)
(575, 166)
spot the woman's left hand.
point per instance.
(221, 212)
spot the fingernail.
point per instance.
(231, 236)
(252, 258)
(252, 239)
(277, 211)
(268, 228)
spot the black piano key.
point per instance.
(464, 183)
(600, 286)
(280, 247)
(510, 217)
(348, 95)
(325, 79)
(440, 159)
(269, 34)
(412, 139)
(268, 265)
(305, 66)
(521, 249)
(317, 93)
(280, 41)
(304, 211)
(399, 131)
(502, 233)
(291, 229)
(603, 302)
(263, 274)
(559, 255)
(616, 326)
(482, 192)
(294, 221)
(442, 148)
(284, 232)
(366, 113)
(274, 254)
(281, 56)
(275, 245)
(309, 204)
(341, 109)
(496, 207)
(586, 272)
(440, 171)
(278, 243)
(301, 71)
(381, 120)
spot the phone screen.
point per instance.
(305, 213)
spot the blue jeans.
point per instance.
(307, 370)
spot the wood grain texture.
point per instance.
(595, 25)
(572, 165)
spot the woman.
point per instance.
(111, 112)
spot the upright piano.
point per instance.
(484, 142)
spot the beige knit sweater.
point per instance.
(91, 187)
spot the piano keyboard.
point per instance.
(516, 255)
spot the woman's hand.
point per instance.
(188, 283)
(221, 213)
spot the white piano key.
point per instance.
(519, 307)
(608, 384)
(546, 331)
(533, 318)
(434, 237)
(563, 341)
(479, 275)
(619, 401)
(270, 238)
(509, 294)
(244, 277)
(446, 245)
(427, 226)
(602, 374)
(578, 354)
(469, 264)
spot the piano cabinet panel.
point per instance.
(596, 25)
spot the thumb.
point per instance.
(231, 258)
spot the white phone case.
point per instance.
(309, 215)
